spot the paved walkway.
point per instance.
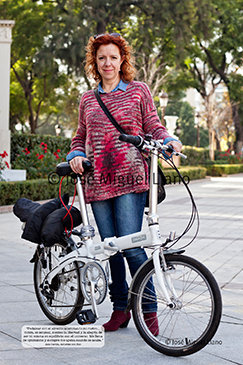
(219, 246)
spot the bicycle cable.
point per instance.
(68, 210)
(194, 212)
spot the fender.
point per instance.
(130, 291)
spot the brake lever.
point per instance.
(171, 150)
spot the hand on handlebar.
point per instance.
(77, 164)
(171, 148)
(176, 146)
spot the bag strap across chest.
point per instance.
(107, 112)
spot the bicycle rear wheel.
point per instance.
(191, 324)
(61, 300)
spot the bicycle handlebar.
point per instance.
(137, 141)
(141, 143)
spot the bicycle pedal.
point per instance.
(85, 317)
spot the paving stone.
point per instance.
(219, 246)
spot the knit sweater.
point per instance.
(118, 167)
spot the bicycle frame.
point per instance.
(148, 237)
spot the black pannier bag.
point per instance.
(54, 224)
(35, 215)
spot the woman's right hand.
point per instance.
(77, 164)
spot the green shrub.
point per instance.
(3, 164)
(227, 157)
(188, 173)
(39, 161)
(40, 189)
(195, 156)
(223, 169)
(21, 141)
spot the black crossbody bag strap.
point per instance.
(107, 112)
(161, 177)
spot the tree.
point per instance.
(49, 43)
(223, 54)
(34, 87)
(205, 82)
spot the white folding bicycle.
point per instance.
(70, 275)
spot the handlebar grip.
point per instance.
(63, 168)
(86, 165)
(170, 149)
(137, 141)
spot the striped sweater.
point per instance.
(118, 167)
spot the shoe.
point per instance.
(119, 319)
(152, 322)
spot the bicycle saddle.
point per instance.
(64, 168)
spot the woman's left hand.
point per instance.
(177, 146)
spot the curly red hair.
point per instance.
(127, 71)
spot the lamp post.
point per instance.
(197, 122)
(163, 101)
(178, 131)
(57, 129)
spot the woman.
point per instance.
(118, 186)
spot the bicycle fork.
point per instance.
(163, 276)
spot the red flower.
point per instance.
(7, 164)
(58, 150)
(57, 157)
(37, 154)
(40, 157)
(26, 151)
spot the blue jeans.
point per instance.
(118, 217)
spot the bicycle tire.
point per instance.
(189, 327)
(63, 298)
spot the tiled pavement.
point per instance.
(219, 245)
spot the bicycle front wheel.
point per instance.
(192, 322)
(62, 298)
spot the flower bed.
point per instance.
(39, 161)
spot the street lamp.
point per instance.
(178, 131)
(197, 122)
(57, 129)
(163, 101)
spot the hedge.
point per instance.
(195, 156)
(41, 189)
(223, 169)
(188, 173)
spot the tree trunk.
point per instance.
(218, 147)
(238, 128)
(211, 133)
(211, 144)
(101, 27)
